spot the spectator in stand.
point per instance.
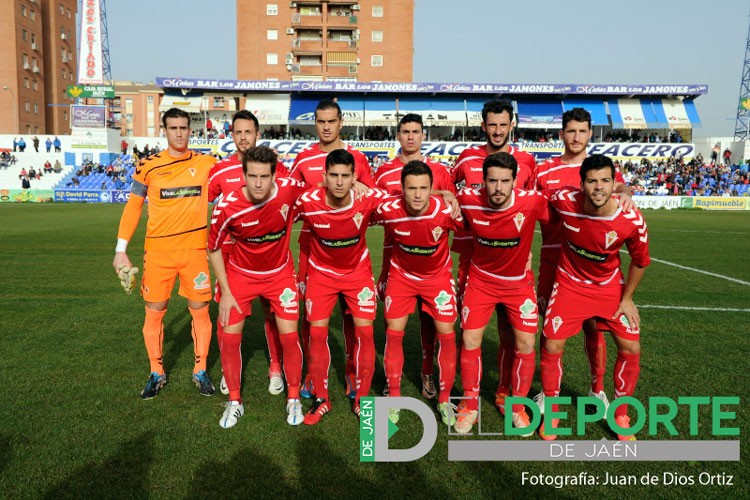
(57, 144)
(48, 144)
(23, 173)
(21, 145)
(15, 144)
(124, 146)
(47, 167)
(35, 141)
(727, 156)
(25, 183)
(32, 173)
(58, 166)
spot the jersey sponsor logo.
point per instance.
(364, 298)
(481, 222)
(587, 254)
(267, 238)
(436, 233)
(502, 243)
(572, 228)
(416, 250)
(528, 310)
(321, 226)
(557, 322)
(357, 218)
(201, 281)
(180, 192)
(402, 233)
(610, 238)
(284, 210)
(443, 301)
(528, 323)
(235, 179)
(248, 224)
(288, 298)
(343, 243)
(518, 220)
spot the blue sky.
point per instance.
(545, 41)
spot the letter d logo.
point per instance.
(375, 429)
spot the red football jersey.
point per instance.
(227, 176)
(338, 245)
(502, 237)
(554, 174)
(420, 249)
(310, 166)
(590, 255)
(261, 231)
(388, 176)
(468, 167)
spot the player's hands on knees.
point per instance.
(629, 309)
(226, 304)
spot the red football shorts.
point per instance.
(570, 305)
(358, 289)
(482, 296)
(280, 289)
(437, 294)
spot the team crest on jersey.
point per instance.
(302, 286)
(308, 306)
(288, 298)
(357, 218)
(364, 298)
(443, 301)
(388, 302)
(556, 323)
(284, 210)
(528, 309)
(611, 237)
(465, 313)
(518, 220)
(192, 171)
(437, 232)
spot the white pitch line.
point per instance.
(702, 232)
(701, 271)
(684, 308)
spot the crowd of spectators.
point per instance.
(676, 177)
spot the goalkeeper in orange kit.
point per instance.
(175, 183)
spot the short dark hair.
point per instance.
(596, 162)
(497, 106)
(339, 157)
(327, 104)
(244, 114)
(174, 113)
(576, 114)
(502, 160)
(260, 154)
(416, 167)
(410, 118)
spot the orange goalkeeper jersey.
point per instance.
(177, 194)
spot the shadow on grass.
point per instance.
(123, 475)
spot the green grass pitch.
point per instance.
(73, 363)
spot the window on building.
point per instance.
(32, 15)
(67, 11)
(150, 99)
(36, 108)
(65, 116)
(377, 11)
(272, 34)
(24, 34)
(272, 9)
(64, 73)
(33, 38)
(62, 10)
(35, 85)
(25, 60)
(27, 107)
(376, 61)
(218, 101)
(377, 36)
(23, 11)
(272, 58)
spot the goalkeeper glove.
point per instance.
(127, 278)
